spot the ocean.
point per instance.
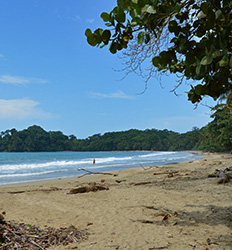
(27, 167)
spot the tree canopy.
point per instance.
(216, 136)
(36, 139)
(190, 38)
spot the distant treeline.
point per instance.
(36, 139)
(216, 136)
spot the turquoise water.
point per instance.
(26, 167)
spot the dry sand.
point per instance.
(140, 211)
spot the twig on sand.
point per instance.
(90, 172)
(35, 244)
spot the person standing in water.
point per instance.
(93, 160)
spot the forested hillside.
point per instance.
(216, 136)
(36, 139)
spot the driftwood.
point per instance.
(22, 236)
(225, 175)
(143, 183)
(91, 187)
(35, 190)
(90, 172)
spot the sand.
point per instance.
(140, 211)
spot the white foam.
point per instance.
(42, 165)
(28, 174)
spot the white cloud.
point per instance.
(19, 109)
(19, 80)
(92, 20)
(118, 94)
(75, 18)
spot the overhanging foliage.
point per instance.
(199, 43)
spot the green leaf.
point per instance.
(198, 89)
(113, 47)
(198, 69)
(108, 24)
(106, 36)
(88, 32)
(216, 53)
(147, 38)
(120, 17)
(98, 35)
(224, 62)
(201, 14)
(218, 14)
(178, 7)
(105, 16)
(164, 58)
(135, 21)
(156, 61)
(231, 62)
(91, 39)
(172, 26)
(200, 31)
(123, 4)
(190, 58)
(205, 7)
(148, 9)
(206, 60)
(140, 37)
(211, 19)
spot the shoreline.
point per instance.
(34, 182)
(130, 215)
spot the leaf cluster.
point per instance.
(201, 39)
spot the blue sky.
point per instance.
(51, 77)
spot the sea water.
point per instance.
(26, 167)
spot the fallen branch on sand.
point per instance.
(225, 175)
(35, 190)
(90, 172)
(91, 187)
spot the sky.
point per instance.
(51, 77)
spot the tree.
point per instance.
(217, 135)
(190, 38)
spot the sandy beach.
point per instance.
(175, 207)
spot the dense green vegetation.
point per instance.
(192, 39)
(36, 139)
(216, 136)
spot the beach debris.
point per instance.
(90, 172)
(163, 215)
(14, 235)
(51, 189)
(161, 173)
(91, 187)
(159, 247)
(225, 175)
(119, 181)
(143, 183)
